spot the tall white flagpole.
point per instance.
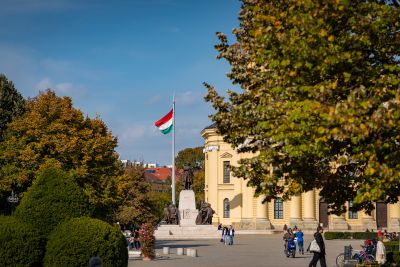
(173, 149)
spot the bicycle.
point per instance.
(361, 256)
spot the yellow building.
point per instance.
(234, 202)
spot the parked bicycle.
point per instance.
(362, 256)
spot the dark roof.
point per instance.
(212, 126)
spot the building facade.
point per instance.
(234, 202)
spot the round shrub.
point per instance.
(52, 199)
(74, 242)
(20, 244)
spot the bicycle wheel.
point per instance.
(340, 260)
(370, 258)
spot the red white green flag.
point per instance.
(165, 124)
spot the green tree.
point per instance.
(320, 99)
(193, 157)
(12, 104)
(136, 205)
(54, 133)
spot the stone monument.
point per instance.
(188, 214)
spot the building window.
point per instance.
(227, 172)
(227, 208)
(352, 214)
(278, 208)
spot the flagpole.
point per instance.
(173, 149)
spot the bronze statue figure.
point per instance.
(171, 215)
(188, 178)
(205, 214)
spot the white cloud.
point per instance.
(188, 98)
(67, 89)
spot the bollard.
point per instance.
(192, 252)
(179, 251)
(165, 250)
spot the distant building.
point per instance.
(129, 163)
(234, 202)
(160, 178)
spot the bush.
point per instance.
(392, 258)
(52, 199)
(392, 246)
(146, 235)
(74, 242)
(350, 235)
(365, 235)
(337, 235)
(21, 244)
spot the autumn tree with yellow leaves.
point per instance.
(319, 99)
(53, 133)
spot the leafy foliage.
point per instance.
(320, 100)
(136, 205)
(21, 244)
(193, 157)
(74, 242)
(51, 200)
(12, 104)
(147, 239)
(52, 132)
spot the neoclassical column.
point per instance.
(394, 220)
(310, 222)
(262, 220)
(295, 211)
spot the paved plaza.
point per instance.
(248, 250)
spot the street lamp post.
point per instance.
(13, 200)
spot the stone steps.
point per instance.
(177, 232)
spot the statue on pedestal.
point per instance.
(188, 178)
(205, 214)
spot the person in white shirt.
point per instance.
(380, 251)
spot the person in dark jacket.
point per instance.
(319, 256)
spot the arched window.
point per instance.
(227, 208)
(278, 208)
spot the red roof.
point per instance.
(161, 173)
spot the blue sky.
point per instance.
(122, 60)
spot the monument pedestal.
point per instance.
(187, 228)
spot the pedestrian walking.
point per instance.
(300, 241)
(231, 234)
(318, 255)
(225, 235)
(380, 251)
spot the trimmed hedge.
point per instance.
(52, 199)
(74, 242)
(350, 235)
(337, 235)
(20, 244)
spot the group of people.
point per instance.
(297, 236)
(133, 240)
(294, 235)
(228, 233)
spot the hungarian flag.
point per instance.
(165, 123)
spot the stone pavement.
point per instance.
(248, 250)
